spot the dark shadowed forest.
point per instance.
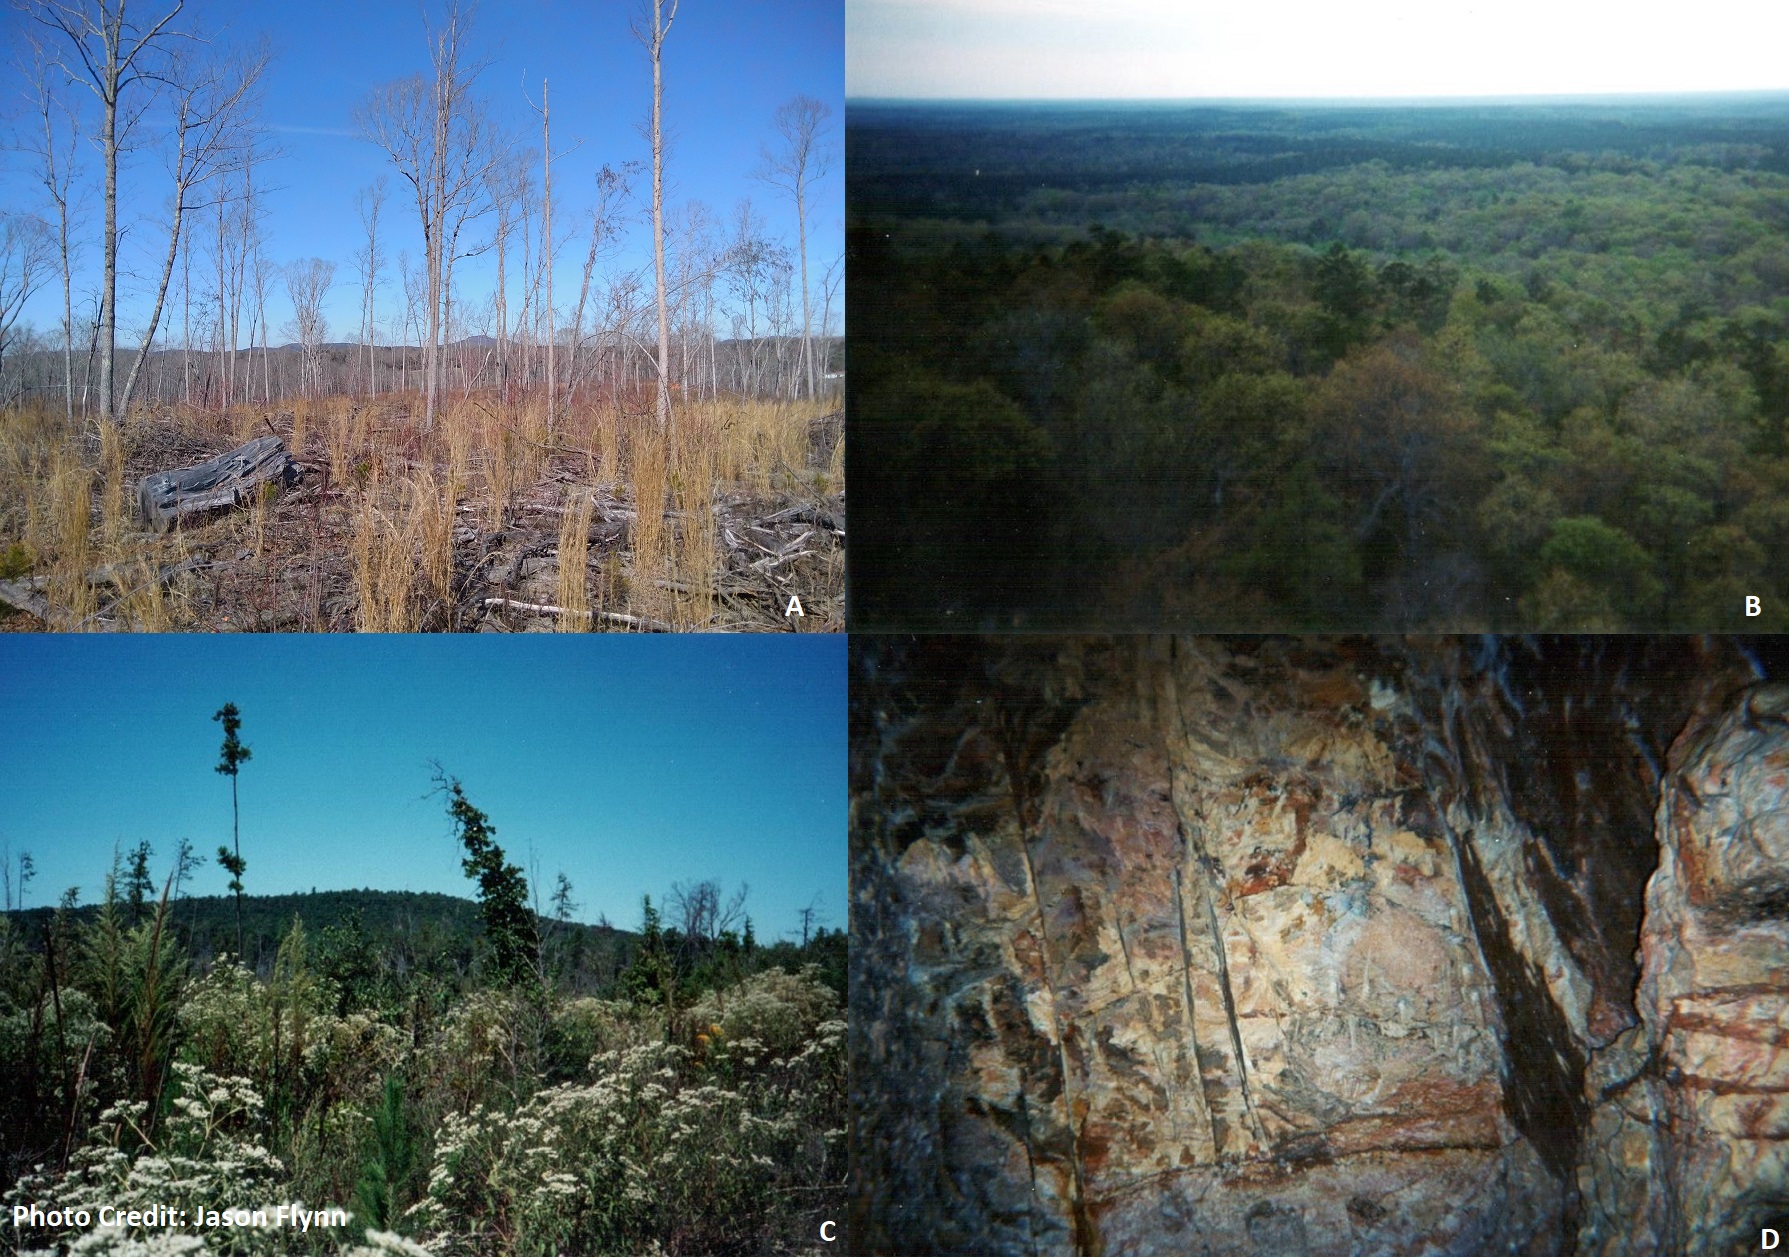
(1320, 366)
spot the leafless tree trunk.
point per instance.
(57, 168)
(25, 253)
(654, 39)
(213, 113)
(794, 169)
(370, 262)
(263, 277)
(435, 137)
(546, 235)
(611, 187)
(505, 178)
(829, 284)
(307, 281)
(111, 57)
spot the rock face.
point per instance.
(1264, 946)
(1696, 1104)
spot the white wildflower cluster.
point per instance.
(111, 1241)
(203, 1152)
(778, 1011)
(665, 1139)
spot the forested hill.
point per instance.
(385, 916)
(361, 933)
(998, 162)
(399, 930)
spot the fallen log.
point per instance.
(613, 617)
(164, 498)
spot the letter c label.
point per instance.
(826, 1235)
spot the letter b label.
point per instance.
(1752, 608)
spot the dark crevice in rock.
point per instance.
(1544, 1068)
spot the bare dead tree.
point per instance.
(829, 285)
(56, 163)
(653, 37)
(802, 159)
(116, 59)
(704, 913)
(213, 104)
(369, 262)
(605, 218)
(546, 237)
(27, 250)
(507, 179)
(433, 133)
(262, 271)
(307, 282)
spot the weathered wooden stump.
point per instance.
(164, 498)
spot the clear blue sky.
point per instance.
(629, 762)
(1141, 49)
(728, 64)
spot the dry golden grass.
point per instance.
(460, 432)
(574, 556)
(692, 498)
(646, 451)
(301, 423)
(382, 538)
(145, 603)
(340, 438)
(432, 512)
(114, 518)
(71, 523)
(384, 564)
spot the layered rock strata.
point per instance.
(1268, 946)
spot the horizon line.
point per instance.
(1412, 99)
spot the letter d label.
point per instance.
(1768, 1239)
(1752, 608)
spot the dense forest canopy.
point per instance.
(1322, 366)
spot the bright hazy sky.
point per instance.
(1111, 49)
(629, 762)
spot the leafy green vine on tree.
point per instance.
(233, 755)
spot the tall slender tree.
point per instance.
(112, 57)
(56, 166)
(436, 136)
(793, 169)
(653, 37)
(232, 757)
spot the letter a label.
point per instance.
(794, 608)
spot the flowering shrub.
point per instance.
(489, 1123)
(203, 1151)
(111, 1241)
(780, 1011)
(221, 1022)
(583, 1028)
(652, 1146)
